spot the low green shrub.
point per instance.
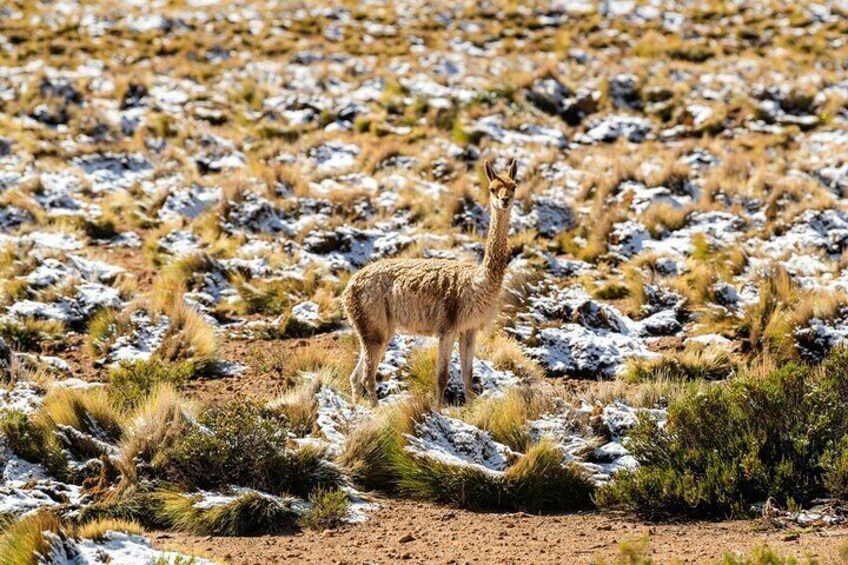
(329, 510)
(835, 463)
(728, 447)
(242, 443)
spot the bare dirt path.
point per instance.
(411, 532)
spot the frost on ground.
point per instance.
(580, 336)
(337, 417)
(454, 442)
(570, 431)
(358, 508)
(114, 547)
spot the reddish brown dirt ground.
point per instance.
(268, 371)
(411, 532)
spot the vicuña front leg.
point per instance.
(443, 366)
(466, 356)
(374, 351)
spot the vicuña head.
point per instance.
(448, 299)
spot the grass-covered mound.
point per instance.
(780, 436)
(377, 457)
(538, 481)
(71, 430)
(251, 513)
(141, 452)
(43, 537)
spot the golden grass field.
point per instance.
(186, 187)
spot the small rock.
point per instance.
(6, 356)
(407, 538)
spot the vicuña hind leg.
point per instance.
(466, 356)
(356, 388)
(443, 365)
(374, 351)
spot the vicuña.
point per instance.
(451, 300)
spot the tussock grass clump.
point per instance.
(537, 482)
(176, 276)
(131, 383)
(766, 327)
(372, 447)
(243, 443)
(127, 504)
(29, 540)
(336, 362)
(96, 529)
(540, 482)
(505, 417)
(648, 394)
(24, 543)
(506, 354)
(299, 404)
(189, 338)
(157, 423)
(88, 410)
(421, 375)
(329, 510)
(33, 443)
(30, 334)
(375, 458)
(705, 364)
(776, 436)
(251, 513)
(103, 328)
(821, 306)
(80, 424)
(426, 478)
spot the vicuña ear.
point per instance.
(513, 169)
(490, 172)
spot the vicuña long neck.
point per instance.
(497, 252)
